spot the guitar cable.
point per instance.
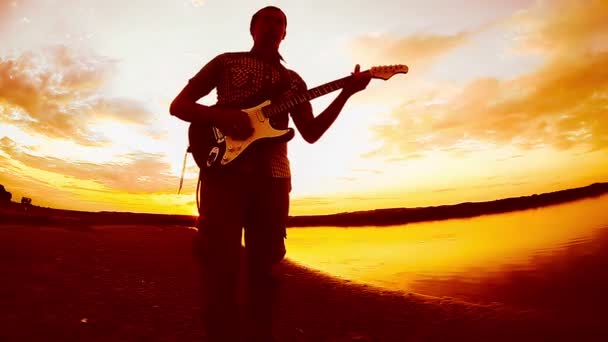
(198, 190)
(181, 180)
(198, 183)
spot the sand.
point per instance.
(141, 283)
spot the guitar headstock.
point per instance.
(387, 71)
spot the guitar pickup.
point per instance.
(219, 136)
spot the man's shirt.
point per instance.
(244, 80)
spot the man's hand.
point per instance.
(234, 123)
(356, 82)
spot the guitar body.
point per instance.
(212, 149)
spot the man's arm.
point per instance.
(185, 107)
(312, 128)
(231, 122)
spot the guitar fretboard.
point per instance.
(287, 104)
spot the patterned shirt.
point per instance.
(244, 80)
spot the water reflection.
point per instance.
(549, 257)
(573, 277)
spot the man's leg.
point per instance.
(265, 225)
(220, 227)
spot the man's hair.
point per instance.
(256, 15)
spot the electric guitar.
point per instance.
(213, 149)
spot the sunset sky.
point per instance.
(503, 98)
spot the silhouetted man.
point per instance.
(253, 191)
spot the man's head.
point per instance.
(268, 26)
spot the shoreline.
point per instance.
(14, 213)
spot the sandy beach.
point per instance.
(141, 283)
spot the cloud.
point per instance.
(368, 171)
(419, 50)
(120, 109)
(562, 27)
(141, 173)
(563, 103)
(7, 10)
(482, 186)
(58, 94)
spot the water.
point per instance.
(555, 256)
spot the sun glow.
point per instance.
(483, 112)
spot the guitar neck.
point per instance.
(287, 104)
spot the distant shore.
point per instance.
(14, 213)
(395, 216)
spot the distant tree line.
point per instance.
(7, 196)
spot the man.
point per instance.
(253, 191)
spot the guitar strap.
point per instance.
(285, 82)
(278, 89)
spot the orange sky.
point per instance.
(502, 99)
